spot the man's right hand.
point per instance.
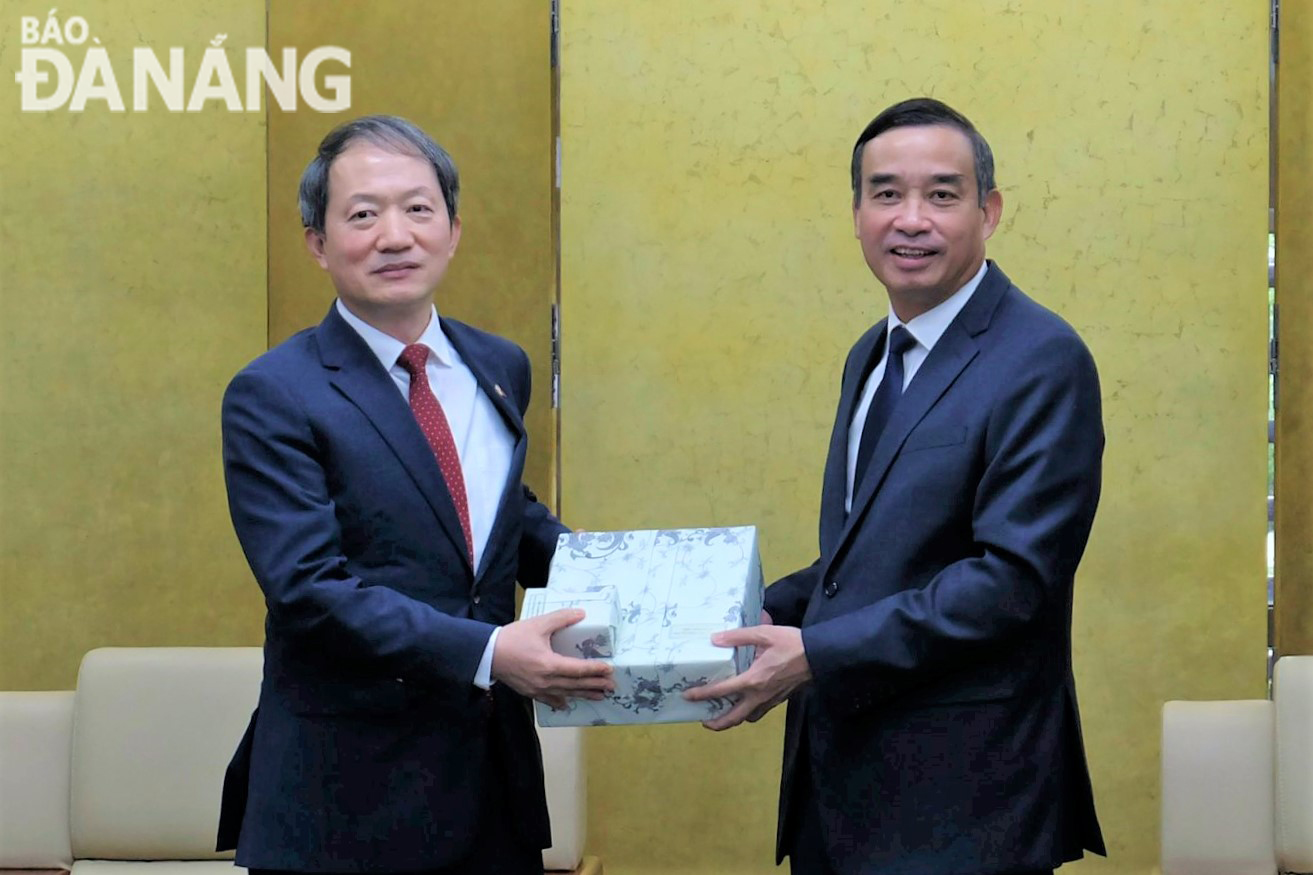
(523, 659)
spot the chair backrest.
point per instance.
(1218, 786)
(1292, 690)
(35, 734)
(153, 730)
(567, 793)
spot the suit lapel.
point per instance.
(835, 485)
(954, 351)
(950, 355)
(358, 374)
(492, 381)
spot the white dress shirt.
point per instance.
(926, 330)
(483, 441)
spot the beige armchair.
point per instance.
(35, 735)
(1237, 781)
(123, 776)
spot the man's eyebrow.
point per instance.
(418, 190)
(955, 179)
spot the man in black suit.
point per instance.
(373, 466)
(926, 654)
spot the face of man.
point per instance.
(919, 219)
(387, 240)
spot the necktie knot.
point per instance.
(413, 358)
(900, 340)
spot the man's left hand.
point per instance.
(779, 667)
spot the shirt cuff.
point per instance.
(483, 677)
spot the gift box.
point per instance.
(653, 599)
(592, 637)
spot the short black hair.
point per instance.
(920, 112)
(389, 132)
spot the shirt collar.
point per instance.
(388, 349)
(928, 327)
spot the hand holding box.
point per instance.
(652, 600)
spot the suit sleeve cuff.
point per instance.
(483, 676)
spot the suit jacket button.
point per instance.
(831, 588)
(477, 599)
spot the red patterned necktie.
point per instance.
(433, 422)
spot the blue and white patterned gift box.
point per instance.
(592, 637)
(673, 589)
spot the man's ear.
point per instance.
(993, 211)
(314, 241)
(455, 235)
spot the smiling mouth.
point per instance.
(402, 267)
(912, 252)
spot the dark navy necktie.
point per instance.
(884, 402)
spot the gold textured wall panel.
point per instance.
(711, 289)
(477, 77)
(1294, 448)
(132, 286)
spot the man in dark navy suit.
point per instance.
(373, 466)
(932, 726)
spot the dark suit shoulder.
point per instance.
(292, 354)
(1025, 333)
(1017, 310)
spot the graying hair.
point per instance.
(389, 132)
